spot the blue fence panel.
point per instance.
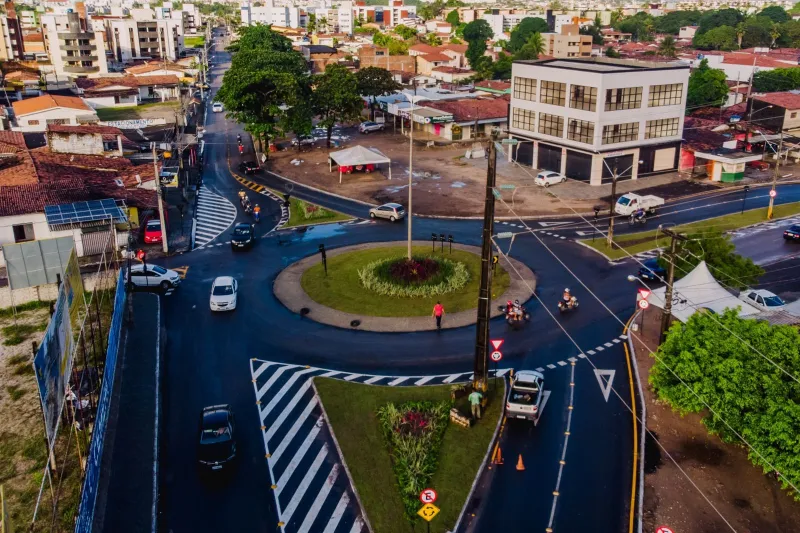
(90, 482)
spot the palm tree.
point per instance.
(323, 24)
(532, 49)
(667, 47)
(740, 33)
(774, 34)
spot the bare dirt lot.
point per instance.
(445, 183)
(748, 499)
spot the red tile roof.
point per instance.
(430, 58)
(785, 100)
(452, 70)
(760, 59)
(49, 101)
(424, 48)
(497, 85)
(152, 67)
(460, 48)
(88, 128)
(470, 109)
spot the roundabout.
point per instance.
(370, 287)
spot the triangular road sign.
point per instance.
(549, 224)
(605, 386)
(644, 293)
(497, 343)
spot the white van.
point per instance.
(525, 395)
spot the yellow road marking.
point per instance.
(181, 270)
(635, 435)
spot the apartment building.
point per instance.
(28, 19)
(12, 46)
(74, 50)
(344, 18)
(132, 39)
(587, 117)
(389, 15)
(285, 17)
(569, 43)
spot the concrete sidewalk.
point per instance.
(129, 476)
(290, 293)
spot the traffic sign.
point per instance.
(497, 343)
(644, 293)
(664, 529)
(505, 235)
(773, 193)
(496, 356)
(428, 511)
(428, 496)
(644, 304)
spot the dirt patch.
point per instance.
(750, 500)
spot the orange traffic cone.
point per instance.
(520, 466)
(498, 456)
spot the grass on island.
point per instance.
(341, 289)
(135, 112)
(633, 243)
(323, 215)
(352, 409)
(194, 42)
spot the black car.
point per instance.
(244, 235)
(249, 167)
(216, 443)
(652, 271)
(792, 233)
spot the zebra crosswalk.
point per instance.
(312, 489)
(214, 215)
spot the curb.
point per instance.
(643, 403)
(341, 456)
(288, 290)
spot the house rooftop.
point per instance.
(603, 65)
(787, 100)
(49, 101)
(468, 110)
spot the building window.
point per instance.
(793, 115)
(583, 97)
(620, 133)
(525, 88)
(523, 119)
(661, 95)
(57, 121)
(581, 131)
(625, 98)
(552, 125)
(33, 123)
(666, 127)
(553, 93)
(23, 232)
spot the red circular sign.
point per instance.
(644, 304)
(428, 496)
(773, 194)
(664, 529)
(496, 356)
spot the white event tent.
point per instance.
(355, 156)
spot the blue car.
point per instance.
(652, 271)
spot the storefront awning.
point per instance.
(729, 156)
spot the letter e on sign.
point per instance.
(428, 496)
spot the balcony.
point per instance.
(82, 57)
(81, 69)
(78, 47)
(63, 36)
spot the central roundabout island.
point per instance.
(374, 287)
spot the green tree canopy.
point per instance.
(779, 79)
(714, 360)
(666, 47)
(707, 86)
(789, 34)
(395, 46)
(336, 97)
(523, 31)
(430, 10)
(775, 13)
(610, 52)
(640, 26)
(721, 38)
(531, 49)
(453, 19)
(373, 82)
(795, 9)
(404, 31)
(476, 33)
(757, 32)
(673, 22)
(723, 17)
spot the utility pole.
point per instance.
(772, 192)
(666, 317)
(481, 364)
(610, 239)
(410, 165)
(160, 201)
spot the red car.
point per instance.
(152, 231)
(758, 165)
(348, 169)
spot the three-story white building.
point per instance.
(587, 117)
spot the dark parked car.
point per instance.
(244, 235)
(792, 233)
(652, 271)
(216, 443)
(249, 167)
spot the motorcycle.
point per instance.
(257, 215)
(248, 207)
(641, 220)
(564, 306)
(244, 200)
(516, 317)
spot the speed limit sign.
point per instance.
(644, 304)
(496, 356)
(428, 496)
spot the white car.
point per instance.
(154, 276)
(217, 107)
(525, 395)
(764, 300)
(369, 127)
(223, 294)
(548, 178)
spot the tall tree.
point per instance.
(757, 32)
(666, 47)
(453, 18)
(433, 39)
(707, 86)
(522, 32)
(311, 25)
(336, 98)
(722, 38)
(723, 17)
(476, 33)
(532, 49)
(775, 13)
(373, 82)
(404, 31)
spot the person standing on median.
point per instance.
(438, 312)
(475, 402)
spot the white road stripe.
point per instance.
(623, 336)
(608, 345)
(615, 341)
(312, 513)
(297, 459)
(351, 377)
(599, 348)
(285, 412)
(272, 380)
(503, 371)
(551, 367)
(582, 355)
(424, 380)
(336, 517)
(540, 369)
(452, 378)
(590, 352)
(286, 516)
(329, 374)
(571, 359)
(357, 526)
(561, 363)
(373, 379)
(397, 381)
(286, 387)
(261, 369)
(288, 438)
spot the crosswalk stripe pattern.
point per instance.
(214, 215)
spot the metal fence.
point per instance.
(97, 242)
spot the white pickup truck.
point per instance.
(629, 203)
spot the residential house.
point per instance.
(495, 87)
(687, 32)
(472, 118)
(88, 140)
(128, 90)
(35, 114)
(426, 63)
(373, 56)
(450, 74)
(740, 66)
(157, 68)
(319, 56)
(776, 112)
(568, 43)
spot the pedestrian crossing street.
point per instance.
(214, 215)
(311, 486)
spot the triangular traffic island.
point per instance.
(398, 441)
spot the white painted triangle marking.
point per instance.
(545, 397)
(605, 387)
(549, 224)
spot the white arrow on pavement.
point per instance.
(549, 224)
(587, 233)
(605, 387)
(545, 397)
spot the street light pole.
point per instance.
(410, 167)
(610, 238)
(164, 244)
(772, 192)
(667, 315)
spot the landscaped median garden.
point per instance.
(382, 282)
(302, 213)
(633, 243)
(397, 441)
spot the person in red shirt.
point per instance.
(438, 312)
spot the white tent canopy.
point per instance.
(358, 155)
(699, 290)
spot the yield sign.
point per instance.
(549, 224)
(644, 293)
(605, 386)
(497, 343)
